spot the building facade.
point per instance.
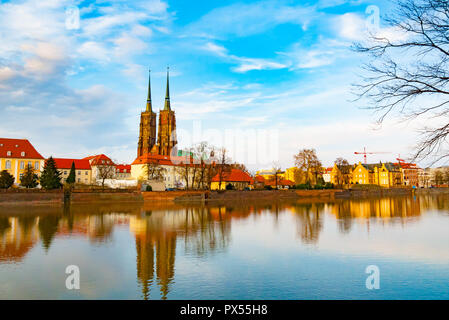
(83, 170)
(16, 155)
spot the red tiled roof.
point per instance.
(160, 159)
(81, 164)
(16, 147)
(259, 179)
(97, 159)
(121, 167)
(327, 170)
(235, 175)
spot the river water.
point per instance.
(236, 250)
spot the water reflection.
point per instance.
(159, 231)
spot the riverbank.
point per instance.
(31, 197)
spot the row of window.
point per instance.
(22, 165)
(79, 172)
(9, 153)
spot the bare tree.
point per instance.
(154, 171)
(418, 85)
(223, 164)
(344, 171)
(307, 161)
(276, 172)
(105, 171)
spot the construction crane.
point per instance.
(365, 153)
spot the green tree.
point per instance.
(6, 179)
(71, 177)
(50, 177)
(29, 178)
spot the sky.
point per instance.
(267, 78)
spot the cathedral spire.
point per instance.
(149, 108)
(167, 94)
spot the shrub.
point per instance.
(268, 187)
(6, 180)
(229, 186)
(148, 188)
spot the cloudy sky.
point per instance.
(281, 69)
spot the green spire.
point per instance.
(149, 92)
(167, 95)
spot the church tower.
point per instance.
(147, 133)
(166, 139)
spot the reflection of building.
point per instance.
(17, 237)
(16, 154)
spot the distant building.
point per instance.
(382, 174)
(240, 180)
(16, 154)
(83, 170)
(410, 175)
(102, 166)
(123, 171)
(327, 174)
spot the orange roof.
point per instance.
(99, 159)
(161, 160)
(259, 179)
(122, 167)
(16, 147)
(327, 170)
(81, 164)
(235, 175)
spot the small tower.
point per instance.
(147, 132)
(166, 140)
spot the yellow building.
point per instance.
(382, 174)
(16, 155)
(83, 170)
(291, 174)
(269, 174)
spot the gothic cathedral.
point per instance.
(166, 138)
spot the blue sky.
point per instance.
(284, 66)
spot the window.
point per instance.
(8, 153)
(22, 154)
(20, 176)
(79, 173)
(30, 164)
(86, 173)
(65, 172)
(36, 165)
(102, 161)
(22, 165)
(79, 180)
(124, 171)
(8, 164)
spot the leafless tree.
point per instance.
(344, 171)
(154, 171)
(277, 170)
(104, 172)
(409, 74)
(222, 164)
(307, 161)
